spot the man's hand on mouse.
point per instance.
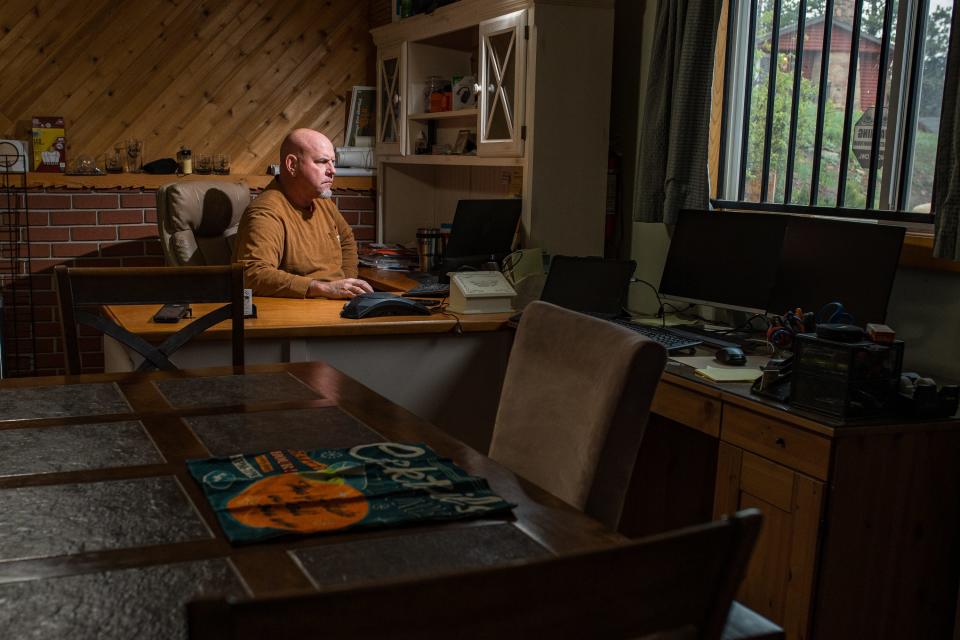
(338, 289)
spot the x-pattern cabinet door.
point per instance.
(391, 110)
(503, 51)
(780, 577)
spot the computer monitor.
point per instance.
(825, 261)
(589, 284)
(723, 259)
(481, 228)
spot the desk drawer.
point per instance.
(687, 407)
(777, 441)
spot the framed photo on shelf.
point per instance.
(466, 142)
(361, 123)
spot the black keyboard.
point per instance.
(670, 341)
(432, 290)
(706, 337)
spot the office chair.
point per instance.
(81, 292)
(682, 580)
(574, 406)
(197, 221)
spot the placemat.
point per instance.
(250, 388)
(413, 555)
(68, 400)
(263, 495)
(226, 434)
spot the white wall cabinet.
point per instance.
(539, 126)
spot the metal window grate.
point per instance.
(844, 51)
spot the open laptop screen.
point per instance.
(589, 284)
(482, 228)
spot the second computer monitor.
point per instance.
(723, 259)
(823, 261)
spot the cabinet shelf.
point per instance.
(476, 161)
(445, 115)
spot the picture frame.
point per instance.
(362, 121)
(464, 143)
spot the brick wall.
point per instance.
(91, 228)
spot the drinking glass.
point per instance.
(203, 164)
(221, 164)
(134, 155)
(114, 159)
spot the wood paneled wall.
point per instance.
(227, 76)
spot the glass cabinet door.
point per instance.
(390, 108)
(502, 69)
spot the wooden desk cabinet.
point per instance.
(860, 522)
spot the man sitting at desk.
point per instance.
(292, 240)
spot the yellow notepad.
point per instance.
(729, 374)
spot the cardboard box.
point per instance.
(49, 145)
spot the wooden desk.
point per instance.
(103, 533)
(860, 522)
(445, 368)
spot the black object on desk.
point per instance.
(845, 380)
(432, 290)
(172, 312)
(381, 303)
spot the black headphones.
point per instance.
(834, 313)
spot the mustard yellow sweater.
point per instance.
(283, 248)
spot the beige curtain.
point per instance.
(675, 131)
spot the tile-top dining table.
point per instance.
(104, 533)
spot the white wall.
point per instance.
(925, 312)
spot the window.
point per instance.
(806, 81)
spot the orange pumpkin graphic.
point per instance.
(299, 502)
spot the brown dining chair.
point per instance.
(83, 291)
(682, 580)
(574, 406)
(197, 221)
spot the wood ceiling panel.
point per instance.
(217, 75)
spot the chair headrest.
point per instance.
(205, 208)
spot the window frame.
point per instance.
(732, 98)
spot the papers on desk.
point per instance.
(392, 257)
(731, 374)
(265, 495)
(707, 367)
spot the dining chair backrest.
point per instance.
(682, 580)
(574, 406)
(83, 291)
(197, 221)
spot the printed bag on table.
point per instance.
(263, 495)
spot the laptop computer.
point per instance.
(481, 229)
(593, 285)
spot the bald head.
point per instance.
(306, 166)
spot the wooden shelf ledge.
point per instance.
(917, 253)
(114, 181)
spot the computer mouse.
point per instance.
(381, 303)
(731, 355)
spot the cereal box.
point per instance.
(49, 145)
